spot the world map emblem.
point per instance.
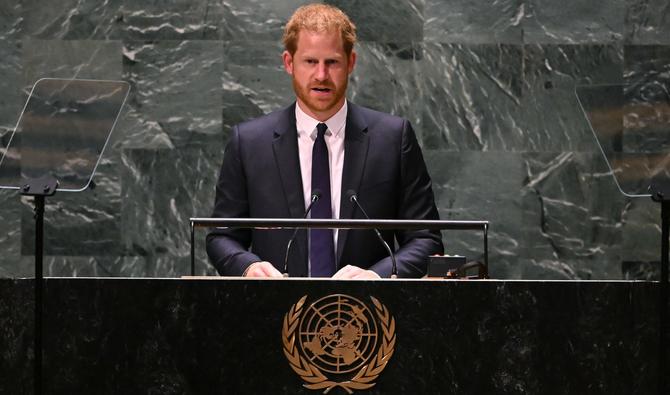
(338, 341)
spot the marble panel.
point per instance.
(13, 98)
(572, 269)
(641, 239)
(175, 98)
(579, 22)
(646, 113)
(257, 19)
(72, 19)
(480, 186)
(237, 107)
(490, 93)
(11, 22)
(254, 80)
(87, 59)
(395, 21)
(10, 236)
(135, 129)
(537, 269)
(157, 266)
(83, 223)
(11, 104)
(472, 22)
(80, 266)
(386, 78)
(472, 97)
(641, 270)
(162, 189)
(553, 120)
(149, 265)
(16, 336)
(169, 266)
(572, 215)
(647, 22)
(171, 20)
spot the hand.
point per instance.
(355, 272)
(262, 269)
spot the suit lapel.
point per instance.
(285, 147)
(287, 160)
(355, 154)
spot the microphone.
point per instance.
(316, 195)
(351, 195)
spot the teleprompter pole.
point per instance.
(660, 192)
(663, 299)
(39, 189)
(39, 280)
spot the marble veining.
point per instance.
(489, 88)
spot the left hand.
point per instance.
(354, 272)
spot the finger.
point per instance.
(351, 273)
(258, 269)
(267, 269)
(366, 275)
(342, 272)
(272, 271)
(360, 275)
(255, 272)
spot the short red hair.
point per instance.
(319, 18)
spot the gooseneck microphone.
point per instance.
(316, 195)
(351, 195)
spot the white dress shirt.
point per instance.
(334, 137)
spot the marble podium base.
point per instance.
(205, 336)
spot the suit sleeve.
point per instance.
(228, 249)
(415, 201)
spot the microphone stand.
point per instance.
(316, 195)
(394, 266)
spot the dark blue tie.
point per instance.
(321, 250)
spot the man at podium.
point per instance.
(314, 156)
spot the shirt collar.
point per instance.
(306, 124)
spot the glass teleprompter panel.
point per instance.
(62, 132)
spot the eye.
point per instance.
(311, 61)
(332, 61)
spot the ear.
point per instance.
(288, 62)
(352, 61)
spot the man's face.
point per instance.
(320, 70)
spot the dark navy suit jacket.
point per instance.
(260, 178)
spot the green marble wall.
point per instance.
(489, 88)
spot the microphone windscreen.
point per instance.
(350, 194)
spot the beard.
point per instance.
(320, 105)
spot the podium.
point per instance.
(205, 336)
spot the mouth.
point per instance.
(321, 90)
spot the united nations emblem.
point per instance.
(338, 341)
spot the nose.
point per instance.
(321, 72)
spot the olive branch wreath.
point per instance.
(313, 376)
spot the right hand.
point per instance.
(262, 269)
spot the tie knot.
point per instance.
(321, 129)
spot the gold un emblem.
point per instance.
(338, 341)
